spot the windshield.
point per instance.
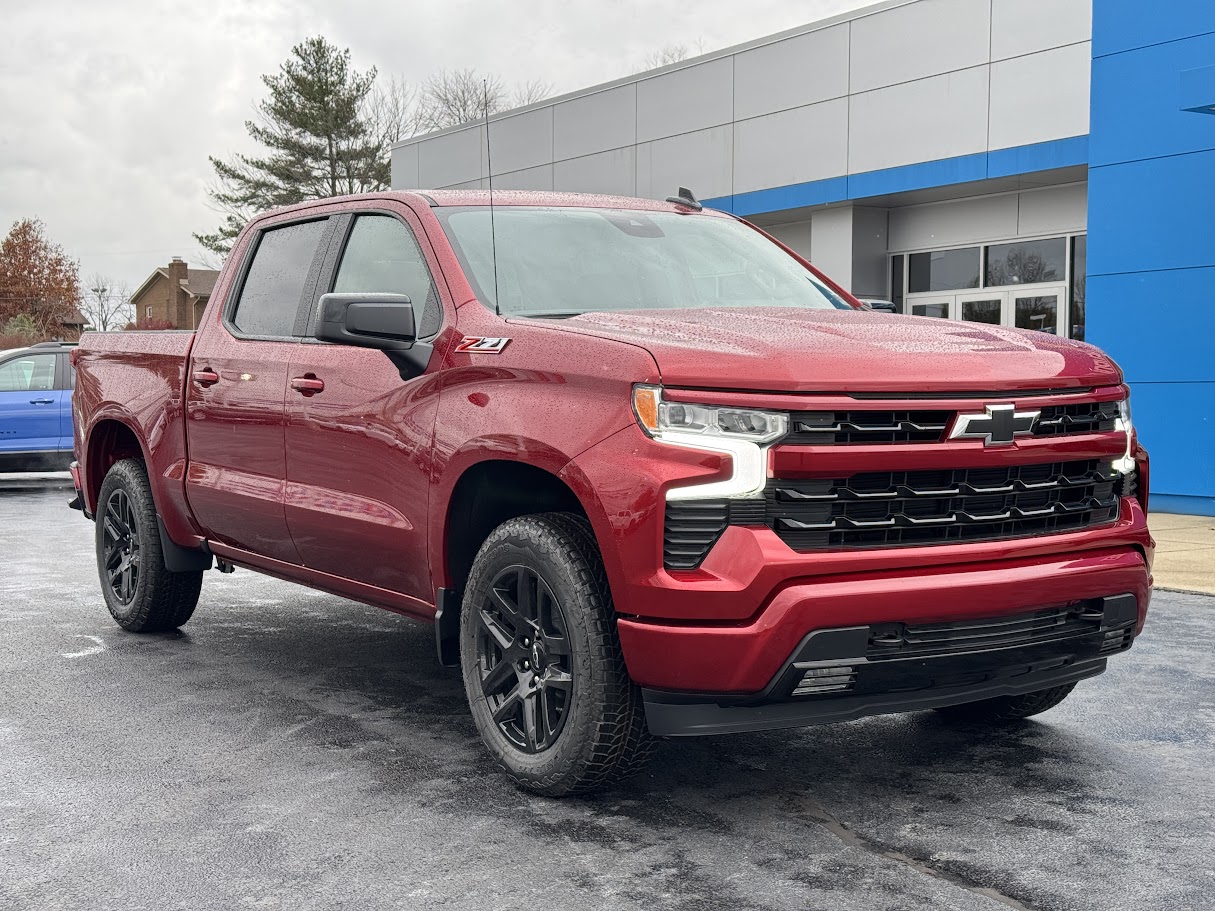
(566, 261)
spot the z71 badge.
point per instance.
(478, 345)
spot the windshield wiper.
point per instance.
(552, 314)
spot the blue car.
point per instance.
(36, 408)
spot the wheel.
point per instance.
(142, 595)
(1009, 708)
(541, 659)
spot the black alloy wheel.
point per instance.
(524, 659)
(141, 593)
(120, 550)
(540, 655)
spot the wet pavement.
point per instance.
(289, 749)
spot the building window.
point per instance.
(1033, 262)
(147, 312)
(943, 270)
(896, 282)
(1075, 327)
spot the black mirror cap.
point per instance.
(383, 321)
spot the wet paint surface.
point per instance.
(290, 749)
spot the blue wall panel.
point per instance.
(814, 193)
(1151, 231)
(1176, 423)
(1158, 326)
(1040, 156)
(1123, 25)
(1152, 214)
(1144, 113)
(962, 169)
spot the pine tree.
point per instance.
(317, 141)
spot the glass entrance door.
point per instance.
(940, 306)
(985, 307)
(1039, 307)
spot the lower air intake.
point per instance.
(817, 680)
(1117, 640)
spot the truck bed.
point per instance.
(138, 379)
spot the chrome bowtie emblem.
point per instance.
(999, 426)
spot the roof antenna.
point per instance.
(685, 197)
(489, 166)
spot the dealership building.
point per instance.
(1048, 164)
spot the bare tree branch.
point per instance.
(452, 97)
(530, 92)
(106, 304)
(391, 111)
(672, 53)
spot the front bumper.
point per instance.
(746, 658)
(845, 673)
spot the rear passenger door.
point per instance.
(236, 387)
(358, 449)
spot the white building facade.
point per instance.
(953, 131)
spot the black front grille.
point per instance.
(818, 428)
(883, 509)
(1086, 417)
(908, 640)
(827, 428)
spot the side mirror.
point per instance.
(383, 321)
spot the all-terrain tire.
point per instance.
(143, 596)
(603, 737)
(1005, 709)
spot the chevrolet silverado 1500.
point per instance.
(647, 471)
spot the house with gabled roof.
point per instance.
(175, 295)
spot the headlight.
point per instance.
(743, 433)
(1126, 464)
(660, 419)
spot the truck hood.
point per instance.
(795, 350)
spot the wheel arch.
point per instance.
(488, 493)
(110, 439)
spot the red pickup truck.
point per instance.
(647, 471)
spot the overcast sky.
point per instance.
(109, 108)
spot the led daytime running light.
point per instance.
(745, 434)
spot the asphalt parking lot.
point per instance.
(293, 750)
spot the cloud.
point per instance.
(111, 108)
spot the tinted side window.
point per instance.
(383, 257)
(28, 373)
(270, 298)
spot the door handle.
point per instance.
(307, 385)
(42, 401)
(206, 377)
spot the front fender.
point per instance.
(478, 451)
